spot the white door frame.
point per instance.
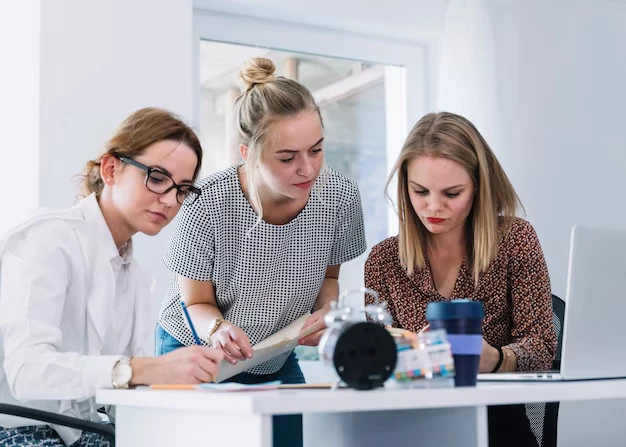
(216, 23)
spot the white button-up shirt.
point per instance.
(70, 307)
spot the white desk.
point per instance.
(346, 418)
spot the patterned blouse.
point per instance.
(265, 276)
(515, 292)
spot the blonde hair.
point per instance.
(140, 130)
(495, 204)
(265, 100)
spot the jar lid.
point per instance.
(454, 309)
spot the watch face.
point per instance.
(122, 374)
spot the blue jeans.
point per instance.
(287, 429)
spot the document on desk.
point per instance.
(284, 340)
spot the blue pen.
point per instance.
(189, 322)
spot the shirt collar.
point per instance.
(92, 212)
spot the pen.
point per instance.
(190, 323)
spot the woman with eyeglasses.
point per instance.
(76, 311)
(264, 243)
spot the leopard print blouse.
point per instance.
(515, 292)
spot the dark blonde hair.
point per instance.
(495, 204)
(266, 99)
(137, 132)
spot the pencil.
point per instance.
(190, 323)
(165, 386)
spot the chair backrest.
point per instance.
(105, 430)
(543, 416)
(558, 317)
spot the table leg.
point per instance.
(167, 428)
(464, 426)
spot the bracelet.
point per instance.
(500, 359)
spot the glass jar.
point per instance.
(423, 356)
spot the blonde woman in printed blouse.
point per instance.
(459, 238)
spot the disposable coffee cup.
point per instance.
(463, 322)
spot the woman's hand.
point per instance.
(316, 324)
(488, 358)
(233, 341)
(188, 365)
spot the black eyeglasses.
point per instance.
(159, 182)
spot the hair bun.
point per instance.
(257, 70)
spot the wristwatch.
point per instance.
(215, 324)
(122, 373)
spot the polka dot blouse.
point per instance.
(515, 292)
(265, 276)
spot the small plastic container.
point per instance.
(424, 357)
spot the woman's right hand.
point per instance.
(233, 341)
(188, 365)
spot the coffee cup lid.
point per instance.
(454, 309)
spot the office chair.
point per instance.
(543, 416)
(54, 418)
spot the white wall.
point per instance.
(71, 72)
(19, 108)
(561, 67)
(403, 19)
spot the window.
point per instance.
(369, 88)
(351, 96)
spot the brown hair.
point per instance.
(140, 130)
(265, 100)
(453, 137)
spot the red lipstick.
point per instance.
(434, 220)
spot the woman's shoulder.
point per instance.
(520, 228)
(385, 248)
(44, 236)
(217, 189)
(221, 180)
(338, 186)
(521, 235)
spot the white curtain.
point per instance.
(466, 71)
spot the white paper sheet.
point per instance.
(284, 340)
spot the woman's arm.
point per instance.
(328, 292)
(531, 299)
(35, 276)
(330, 288)
(36, 280)
(375, 277)
(199, 296)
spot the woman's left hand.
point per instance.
(488, 359)
(315, 323)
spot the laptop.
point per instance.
(594, 333)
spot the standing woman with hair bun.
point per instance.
(76, 312)
(264, 243)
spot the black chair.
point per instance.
(54, 418)
(543, 417)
